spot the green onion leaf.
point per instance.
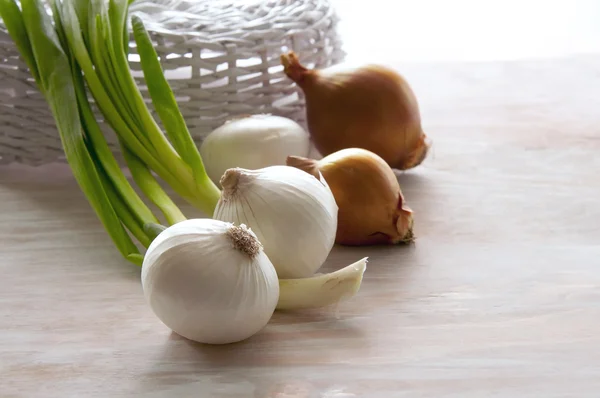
(166, 106)
(151, 188)
(136, 258)
(137, 129)
(56, 83)
(106, 159)
(74, 30)
(163, 98)
(153, 230)
(13, 20)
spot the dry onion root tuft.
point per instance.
(371, 107)
(372, 209)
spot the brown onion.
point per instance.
(367, 192)
(371, 107)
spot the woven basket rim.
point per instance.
(223, 21)
(189, 18)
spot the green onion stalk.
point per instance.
(81, 47)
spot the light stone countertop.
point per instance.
(499, 296)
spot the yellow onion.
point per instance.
(372, 209)
(370, 107)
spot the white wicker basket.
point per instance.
(221, 58)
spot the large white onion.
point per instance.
(252, 142)
(291, 212)
(210, 281)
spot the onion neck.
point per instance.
(293, 68)
(230, 181)
(310, 166)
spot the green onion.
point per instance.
(112, 84)
(33, 29)
(151, 188)
(11, 15)
(81, 50)
(164, 99)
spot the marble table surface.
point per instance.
(499, 296)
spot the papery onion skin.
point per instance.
(252, 142)
(372, 209)
(210, 281)
(321, 290)
(293, 214)
(370, 107)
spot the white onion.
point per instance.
(253, 142)
(210, 281)
(291, 212)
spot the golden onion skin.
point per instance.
(372, 209)
(370, 107)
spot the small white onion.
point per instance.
(291, 212)
(210, 281)
(252, 142)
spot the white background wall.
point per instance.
(426, 30)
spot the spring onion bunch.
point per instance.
(79, 48)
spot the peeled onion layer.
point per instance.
(321, 290)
